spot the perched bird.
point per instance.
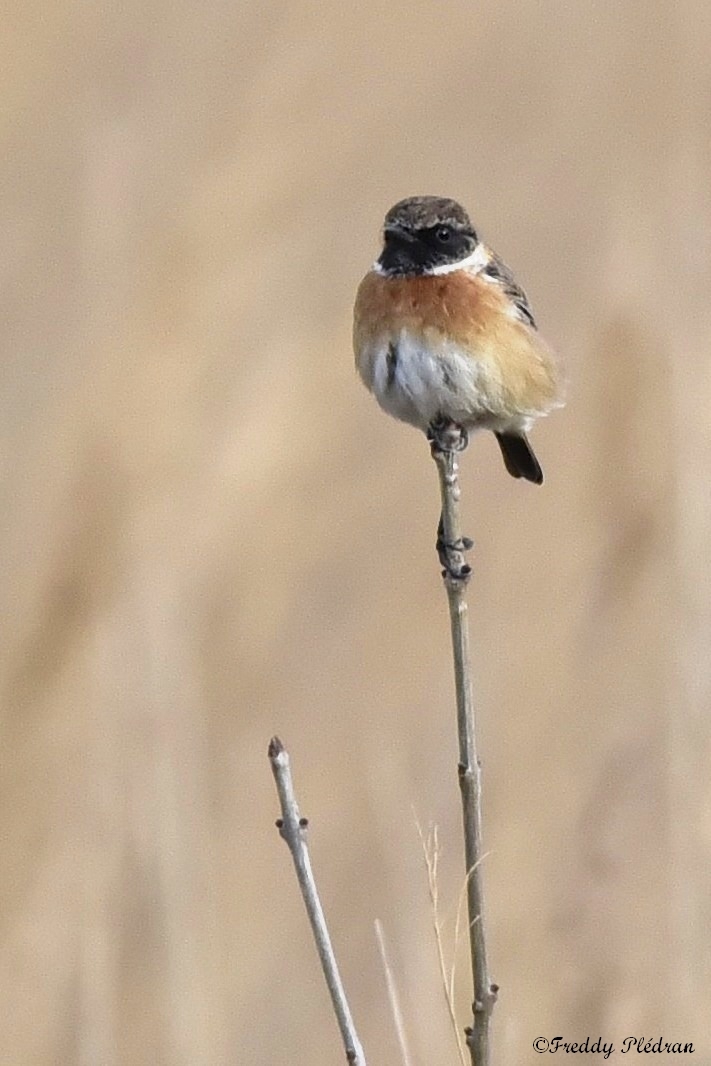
(443, 334)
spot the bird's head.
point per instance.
(425, 235)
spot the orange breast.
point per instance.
(469, 312)
(455, 304)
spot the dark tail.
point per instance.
(519, 457)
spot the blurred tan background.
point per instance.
(209, 532)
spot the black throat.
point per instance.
(412, 254)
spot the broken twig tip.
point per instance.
(275, 748)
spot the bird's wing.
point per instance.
(500, 274)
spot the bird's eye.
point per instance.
(443, 233)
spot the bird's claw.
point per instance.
(445, 435)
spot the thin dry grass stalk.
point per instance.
(430, 850)
(393, 996)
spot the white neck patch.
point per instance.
(474, 262)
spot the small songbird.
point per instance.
(444, 334)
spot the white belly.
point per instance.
(418, 383)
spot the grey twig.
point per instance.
(292, 828)
(446, 443)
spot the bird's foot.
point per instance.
(445, 435)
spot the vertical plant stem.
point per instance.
(456, 578)
(292, 827)
(395, 1008)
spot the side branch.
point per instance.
(451, 546)
(292, 828)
